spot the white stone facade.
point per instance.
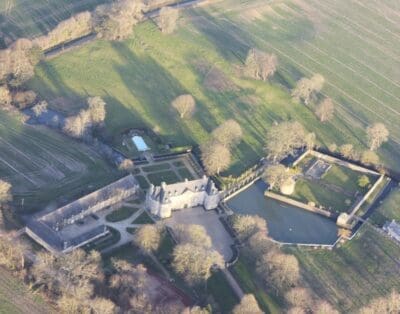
(162, 200)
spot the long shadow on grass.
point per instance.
(154, 87)
(231, 42)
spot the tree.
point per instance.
(167, 20)
(215, 157)
(332, 147)
(300, 297)
(325, 110)
(247, 225)
(148, 238)
(260, 65)
(97, 110)
(195, 310)
(363, 181)
(283, 139)
(259, 244)
(377, 134)
(78, 126)
(40, 108)
(323, 307)
(192, 234)
(369, 157)
(306, 88)
(309, 140)
(248, 304)
(126, 165)
(277, 175)
(279, 270)
(115, 21)
(12, 254)
(389, 305)
(102, 306)
(5, 192)
(347, 151)
(194, 262)
(228, 133)
(24, 99)
(5, 95)
(128, 284)
(185, 105)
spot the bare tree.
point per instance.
(102, 306)
(78, 126)
(259, 244)
(260, 65)
(277, 175)
(167, 19)
(306, 88)
(347, 151)
(5, 96)
(323, 307)
(377, 134)
(185, 105)
(279, 270)
(129, 282)
(247, 225)
(283, 139)
(332, 147)
(115, 21)
(195, 310)
(126, 165)
(300, 297)
(215, 157)
(192, 234)
(248, 304)
(369, 157)
(389, 305)
(23, 99)
(5, 192)
(148, 238)
(228, 133)
(40, 108)
(325, 110)
(194, 262)
(12, 254)
(97, 110)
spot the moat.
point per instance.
(286, 223)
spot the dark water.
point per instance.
(286, 223)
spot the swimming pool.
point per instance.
(286, 223)
(139, 143)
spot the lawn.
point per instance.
(121, 214)
(352, 275)
(143, 219)
(389, 209)
(44, 166)
(157, 167)
(143, 183)
(163, 176)
(145, 73)
(102, 243)
(335, 191)
(185, 173)
(16, 298)
(219, 288)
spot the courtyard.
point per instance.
(329, 185)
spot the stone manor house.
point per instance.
(162, 200)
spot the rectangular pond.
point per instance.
(286, 223)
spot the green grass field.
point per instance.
(352, 275)
(44, 166)
(389, 209)
(16, 299)
(139, 77)
(23, 18)
(335, 191)
(121, 214)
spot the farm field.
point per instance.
(352, 275)
(388, 210)
(24, 18)
(140, 77)
(43, 165)
(16, 299)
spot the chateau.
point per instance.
(162, 200)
